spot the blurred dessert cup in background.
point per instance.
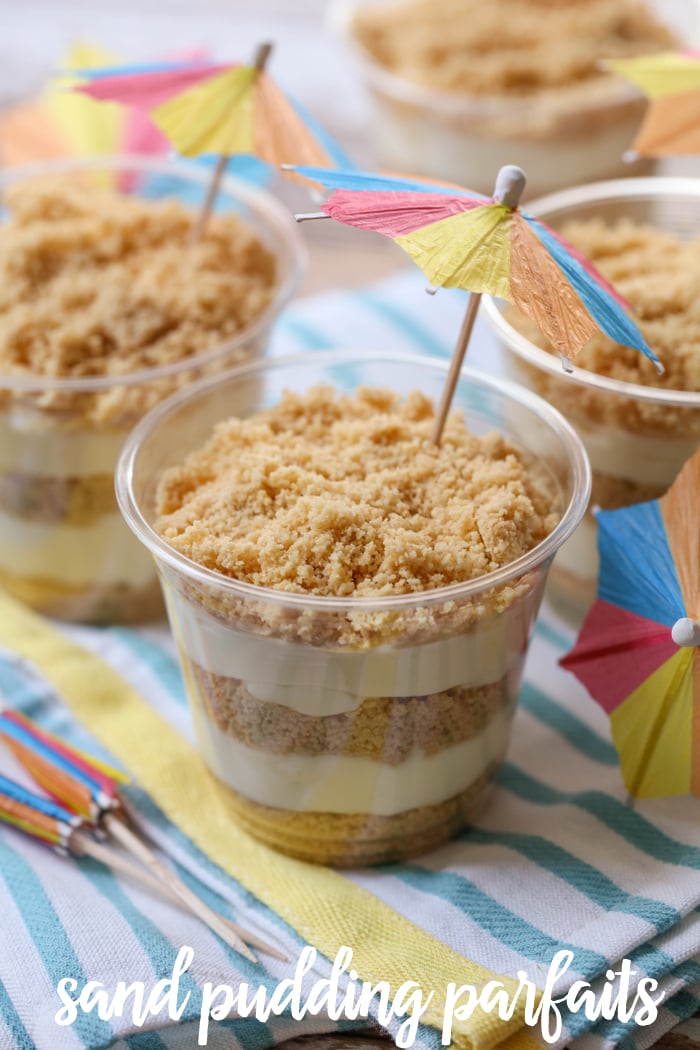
(105, 308)
(638, 427)
(460, 87)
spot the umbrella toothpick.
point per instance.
(310, 216)
(130, 841)
(510, 183)
(200, 224)
(82, 845)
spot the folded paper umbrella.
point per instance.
(91, 790)
(638, 652)
(484, 245)
(671, 82)
(224, 110)
(64, 831)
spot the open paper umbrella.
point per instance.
(225, 110)
(638, 652)
(463, 240)
(671, 81)
(91, 790)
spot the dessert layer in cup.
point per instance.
(359, 839)
(385, 719)
(105, 309)
(637, 426)
(91, 602)
(385, 569)
(460, 88)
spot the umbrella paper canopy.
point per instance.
(219, 108)
(638, 652)
(227, 110)
(671, 81)
(462, 240)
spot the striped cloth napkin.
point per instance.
(558, 861)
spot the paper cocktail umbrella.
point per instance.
(63, 831)
(91, 790)
(484, 245)
(60, 828)
(638, 652)
(37, 816)
(671, 82)
(225, 110)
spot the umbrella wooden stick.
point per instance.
(510, 183)
(131, 842)
(200, 224)
(82, 845)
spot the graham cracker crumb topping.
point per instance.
(96, 283)
(342, 495)
(513, 47)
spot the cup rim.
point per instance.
(568, 522)
(258, 200)
(655, 186)
(339, 16)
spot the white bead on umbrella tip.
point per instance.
(686, 632)
(510, 184)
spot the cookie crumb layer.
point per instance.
(658, 273)
(512, 48)
(347, 496)
(100, 284)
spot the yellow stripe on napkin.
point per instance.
(324, 907)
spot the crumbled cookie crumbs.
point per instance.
(658, 273)
(347, 496)
(96, 283)
(511, 48)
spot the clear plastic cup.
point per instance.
(338, 751)
(64, 548)
(637, 437)
(568, 137)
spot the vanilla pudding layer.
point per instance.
(321, 681)
(640, 459)
(349, 784)
(413, 139)
(102, 553)
(39, 445)
(627, 468)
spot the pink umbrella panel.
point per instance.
(463, 240)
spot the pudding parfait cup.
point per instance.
(64, 548)
(352, 730)
(637, 437)
(562, 136)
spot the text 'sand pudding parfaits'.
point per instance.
(105, 308)
(461, 87)
(638, 427)
(352, 603)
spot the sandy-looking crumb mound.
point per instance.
(347, 496)
(659, 275)
(512, 47)
(95, 283)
